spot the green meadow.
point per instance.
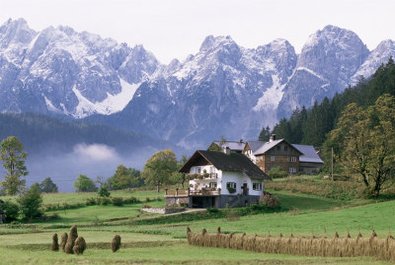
(155, 239)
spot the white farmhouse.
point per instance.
(221, 179)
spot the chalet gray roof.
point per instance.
(234, 162)
(267, 146)
(255, 145)
(309, 154)
(232, 145)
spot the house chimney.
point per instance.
(227, 150)
(272, 138)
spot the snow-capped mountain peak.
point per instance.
(378, 56)
(223, 89)
(58, 69)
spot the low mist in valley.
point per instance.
(92, 160)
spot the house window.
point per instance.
(231, 187)
(278, 148)
(257, 186)
(292, 170)
(198, 170)
(285, 148)
(272, 158)
(293, 159)
(212, 185)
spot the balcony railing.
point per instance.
(188, 192)
(176, 192)
(203, 176)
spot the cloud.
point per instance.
(92, 160)
(95, 152)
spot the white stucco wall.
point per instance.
(239, 178)
(221, 180)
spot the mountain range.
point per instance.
(222, 90)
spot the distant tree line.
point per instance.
(312, 126)
(358, 125)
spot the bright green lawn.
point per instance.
(165, 243)
(80, 197)
(379, 216)
(180, 253)
(305, 202)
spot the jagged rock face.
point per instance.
(325, 66)
(377, 57)
(215, 92)
(222, 90)
(60, 70)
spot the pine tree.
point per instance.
(264, 135)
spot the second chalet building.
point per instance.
(292, 158)
(233, 175)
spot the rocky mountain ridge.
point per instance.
(222, 90)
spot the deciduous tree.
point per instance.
(30, 203)
(125, 178)
(84, 184)
(13, 158)
(364, 140)
(159, 168)
(48, 186)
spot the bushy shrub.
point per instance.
(269, 200)
(11, 211)
(131, 200)
(103, 201)
(231, 190)
(277, 172)
(212, 210)
(30, 203)
(103, 191)
(62, 206)
(117, 201)
(91, 201)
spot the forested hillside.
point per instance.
(311, 126)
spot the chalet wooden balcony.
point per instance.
(189, 192)
(205, 192)
(203, 176)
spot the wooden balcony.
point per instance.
(205, 192)
(189, 192)
(203, 176)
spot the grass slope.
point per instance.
(165, 243)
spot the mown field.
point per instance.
(153, 239)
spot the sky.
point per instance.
(176, 28)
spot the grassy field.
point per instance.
(151, 242)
